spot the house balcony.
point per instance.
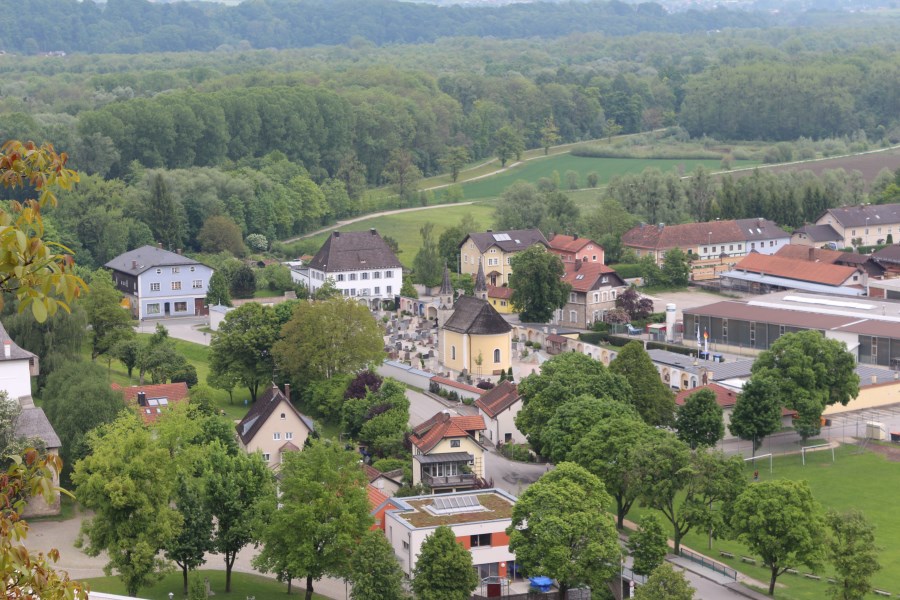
(435, 481)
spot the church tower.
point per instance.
(480, 283)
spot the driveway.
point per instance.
(180, 328)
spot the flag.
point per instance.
(706, 342)
(699, 343)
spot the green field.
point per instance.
(606, 169)
(243, 586)
(866, 481)
(404, 227)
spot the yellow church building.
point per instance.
(473, 337)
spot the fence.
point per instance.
(709, 563)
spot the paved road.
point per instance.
(181, 328)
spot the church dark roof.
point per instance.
(354, 251)
(476, 317)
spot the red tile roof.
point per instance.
(427, 435)
(690, 235)
(801, 270)
(174, 393)
(797, 252)
(587, 276)
(456, 384)
(495, 401)
(501, 293)
(371, 472)
(376, 496)
(569, 243)
(724, 397)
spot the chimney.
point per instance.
(337, 234)
(577, 264)
(134, 265)
(159, 245)
(574, 236)
(660, 226)
(7, 349)
(178, 251)
(490, 231)
(874, 379)
(287, 391)
(142, 399)
(372, 231)
(812, 253)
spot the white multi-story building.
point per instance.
(478, 518)
(360, 263)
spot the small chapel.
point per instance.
(472, 336)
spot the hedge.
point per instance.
(670, 348)
(627, 270)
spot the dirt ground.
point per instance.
(868, 164)
(892, 453)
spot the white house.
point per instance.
(360, 263)
(499, 408)
(478, 519)
(158, 283)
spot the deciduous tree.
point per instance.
(699, 420)
(132, 520)
(454, 160)
(561, 528)
(648, 545)
(327, 338)
(322, 513)
(549, 134)
(757, 412)
(632, 302)
(650, 396)
(375, 573)
(427, 266)
(562, 379)
(243, 346)
(781, 522)
(110, 322)
(219, 233)
(665, 583)
(444, 568)
(538, 288)
(508, 143)
(852, 551)
(573, 420)
(218, 291)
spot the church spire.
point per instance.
(480, 282)
(446, 286)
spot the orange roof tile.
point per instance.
(501, 293)
(426, 436)
(587, 276)
(376, 496)
(801, 270)
(174, 393)
(456, 384)
(569, 243)
(809, 253)
(371, 472)
(724, 397)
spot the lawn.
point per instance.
(404, 227)
(606, 169)
(863, 480)
(243, 585)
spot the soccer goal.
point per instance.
(815, 448)
(760, 457)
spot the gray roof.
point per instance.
(855, 216)
(262, 409)
(888, 254)
(427, 459)
(135, 262)
(476, 317)
(15, 352)
(793, 284)
(820, 233)
(33, 423)
(508, 241)
(759, 229)
(354, 251)
(881, 375)
(720, 370)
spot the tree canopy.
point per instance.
(242, 347)
(538, 289)
(650, 396)
(444, 568)
(699, 420)
(852, 551)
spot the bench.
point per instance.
(726, 554)
(792, 571)
(812, 576)
(881, 593)
(748, 559)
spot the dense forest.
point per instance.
(135, 26)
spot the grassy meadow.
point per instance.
(863, 480)
(243, 585)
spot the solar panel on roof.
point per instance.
(502, 237)
(454, 504)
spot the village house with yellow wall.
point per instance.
(447, 455)
(274, 427)
(493, 250)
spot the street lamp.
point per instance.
(171, 595)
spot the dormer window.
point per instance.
(454, 443)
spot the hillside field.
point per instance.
(868, 164)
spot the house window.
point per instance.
(175, 270)
(724, 330)
(283, 416)
(387, 290)
(730, 247)
(571, 296)
(573, 316)
(705, 250)
(874, 348)
(496, 355)
(266, 456)
(363, 275)
(352, 277)
(594, 258)
(377, 290)
(198, 284)
(153, 309)
(596, 296)
(507, 260)
(452, 348)
(289, 435)
(752, 245)
(159, 271)
(388, 274)
(181, 307)
(612, 295)
(466, 258)
(853, 232)
(340, 276)
(493, 251)
(771, 243)
(276, 435)
(454, 443)
(604, 297)
(714, 249)
(405, 546)
(154, 287)
(376, 275)
(176, 285)
(192, 269)
(480, 540)
(352, 291)
(740, 246)
(781, 330)
(752, 335)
